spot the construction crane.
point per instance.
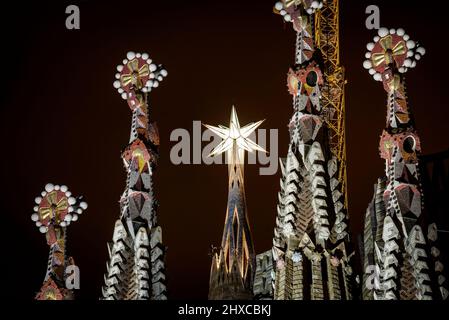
(327, 35)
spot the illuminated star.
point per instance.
(235, 138)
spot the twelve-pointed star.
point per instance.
(235, 135)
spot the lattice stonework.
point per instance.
(327, 35)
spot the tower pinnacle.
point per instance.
(136, 266)
(311, 245)
(55, 209)
(233, 267)
(397, 235)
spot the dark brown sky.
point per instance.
(61, 120)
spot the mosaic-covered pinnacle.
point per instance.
(292, 9)
(138, 73)
(56, 207)
(391, 50)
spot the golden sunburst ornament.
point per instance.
(137, 74)
(391, 49)
(56, 207)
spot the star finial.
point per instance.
(235, 136)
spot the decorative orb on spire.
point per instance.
(297, 12)
(56, 207)
(137, 74)
(391, 50)
(291, 9)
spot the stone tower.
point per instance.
(311, 240)
(136, 266)
(55, 209)
(233, 264)
(400, 252)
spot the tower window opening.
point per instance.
(409, 144)
(312, 78)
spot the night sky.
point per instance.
(62, 121)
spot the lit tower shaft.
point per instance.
(136, 266)
(398, 242)
(233, 266)
(311, 240)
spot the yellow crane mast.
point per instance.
(327, 35)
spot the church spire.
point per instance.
(311, 245)
(136, 267)
(55, 209)
(233, 267)
(397, 237)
